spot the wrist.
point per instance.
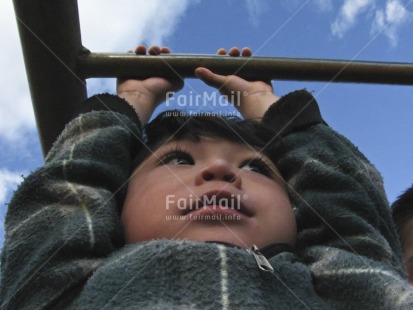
(143, 104)
(137, 98)
(261, 96)
(255, 104)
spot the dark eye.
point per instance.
(177, 158)
(258, 166)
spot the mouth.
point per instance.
(220, 201)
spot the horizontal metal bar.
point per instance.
(254, 68)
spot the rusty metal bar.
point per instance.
(255, 68)
(51, 42)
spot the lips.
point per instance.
(219, 200)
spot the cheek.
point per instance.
(409, 270)
(139, 202)
(143, 212)
(136, 193)
(146, 205)
(150, 188)
(407, 235)
(278, 205)
(275, 213)
(270, 193)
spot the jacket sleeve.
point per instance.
(64, 218)
(345, 231)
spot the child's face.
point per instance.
(212, 190)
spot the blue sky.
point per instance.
(377, 118)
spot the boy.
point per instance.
(402, 212)
(65, 245)
(151, 185)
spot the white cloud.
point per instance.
(255, 9)
(348, 15)
(390, 19)
(118, 26)
(323, 5)
(16, 112)
(107, 26)
(8, 182)
(387, 19)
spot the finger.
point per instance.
(140, 50)
(222, 51)
(202, 72)
(210, 78)
(154, 50)
(246, 52)
(165, 50)
(234, 52)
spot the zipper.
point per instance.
(262, 262)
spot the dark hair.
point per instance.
(177, 125)
(402, 210)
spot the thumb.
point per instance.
(210, 78)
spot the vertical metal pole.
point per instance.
(51, 42)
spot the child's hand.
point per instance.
(252, 99)
(145, 95)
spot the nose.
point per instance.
(218, 170)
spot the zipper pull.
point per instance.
(262, 262)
